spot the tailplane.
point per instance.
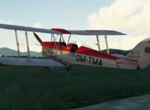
(141, 53)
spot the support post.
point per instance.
(51, 44)
(27, 45)
(98, 43)
(69, 38)
(106, 44)
(60, 39)
(17, 43)
(63, 38)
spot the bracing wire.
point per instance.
(87, 40)
(35, 43)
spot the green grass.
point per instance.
(27, 88)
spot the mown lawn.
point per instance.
(27, 88)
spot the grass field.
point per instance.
(27, 88)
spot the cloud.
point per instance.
(6, 21)
(129, 16)
(37, 25)
(117, 42)
(124, 15)
(125, 42)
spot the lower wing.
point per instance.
(32, 62)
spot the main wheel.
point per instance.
(46, 70)
(68, 68)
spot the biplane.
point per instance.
(61, 53)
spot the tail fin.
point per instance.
(141, 53)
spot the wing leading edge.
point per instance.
(61, 31)
(88, 32)
(96, 32)
(30, 29)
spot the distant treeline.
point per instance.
(117, 51)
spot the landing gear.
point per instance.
(138, 68)
(46, 70)
(68, 67)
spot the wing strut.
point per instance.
(27, 41)
(17, 43)
(52, 37)
(106, 44)
(98, 43)
(69, 38)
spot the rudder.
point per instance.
(141, 53)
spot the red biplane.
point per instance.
(66, 53)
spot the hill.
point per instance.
(10, 52)
(116, 51)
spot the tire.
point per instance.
(46, 70)
(68, 68)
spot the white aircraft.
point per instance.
(64, 53)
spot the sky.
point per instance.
(128, 16)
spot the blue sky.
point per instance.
(128, 16)
(50, 13)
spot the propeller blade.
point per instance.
(38, 38)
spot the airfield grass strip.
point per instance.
(27, 88)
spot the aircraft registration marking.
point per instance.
(89, 59)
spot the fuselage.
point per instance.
(84, 56)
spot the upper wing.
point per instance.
(88, 32)
(61, 31)
(32, 62)
(31, 29)
(96, 32)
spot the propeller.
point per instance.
(38, 38)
